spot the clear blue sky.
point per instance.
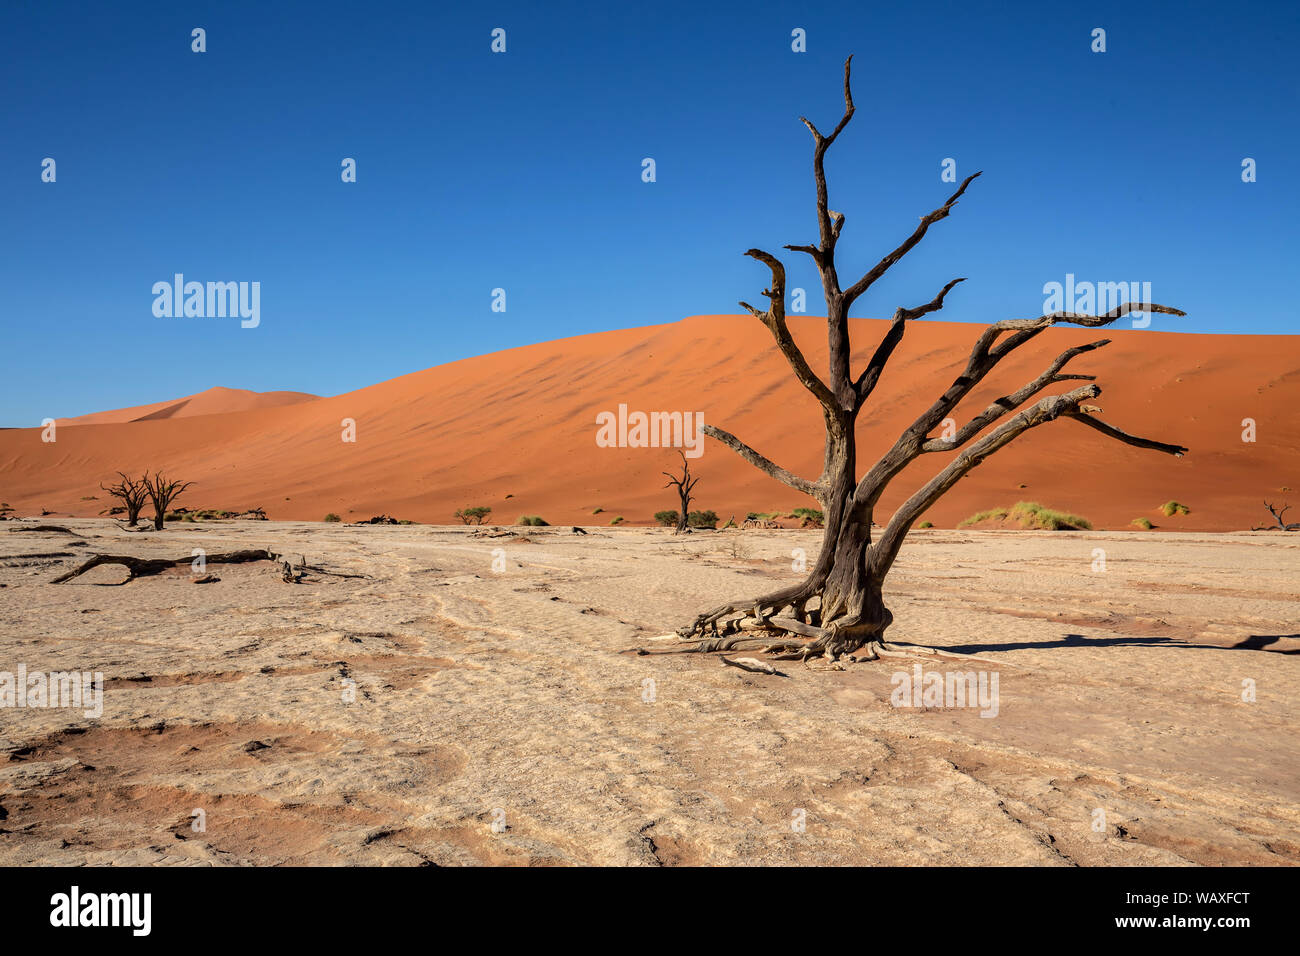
(523, 171)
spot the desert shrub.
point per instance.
(1171, 508)
(998, 514)
(618, 520)
(702, 519)
(598, 511)
(473, 515)
(1144, 523)
(1031, 516)
(533, 520)
(925, 524)
(332, 517)
(198, 514)
(812, 518)
(666, 518)
(405, 521)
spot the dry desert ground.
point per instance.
(489, 696)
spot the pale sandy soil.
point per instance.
(1119, 691)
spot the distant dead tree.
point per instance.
(840, 609)
(684, 486)
(162, 491)
(1277, 516)
(131, 492)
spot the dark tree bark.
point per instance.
(132, 493)
(162, 492)
(684, 485)
(840, 607)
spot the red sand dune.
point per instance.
(522, 423)
(215, 401)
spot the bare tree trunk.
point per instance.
(684, 485)
(132, 493)
(162, 492)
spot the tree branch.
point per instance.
(774, 319)
(811, 488)
(984, 357)
(866, 382)
(1110, 431)
(1055, 406)
(883, 266)
(1010, 402)
(829, 233)
(886, 547)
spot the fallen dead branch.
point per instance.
(144, 567)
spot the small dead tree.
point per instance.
(684, 485)
(131, 492)
(1277, 516)
(162, 491)
(840, 608)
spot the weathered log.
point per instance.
(144, 567)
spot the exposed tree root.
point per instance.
(144, 567)
(751, 664)
(790, 639)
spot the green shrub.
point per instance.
(702, 519)
(1032, 516)
(331, 517)
(473, 515)
(1144, 523)
(533, 520)
(1171, 508)
(925, 524)
(998, 514)
(666, 518)
(598, 511)
(618, 520)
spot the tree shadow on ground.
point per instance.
(1258, 642)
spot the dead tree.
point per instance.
(840, 608)
(162, 492)
(684, 485)
(1277, 516)
(132, 493)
